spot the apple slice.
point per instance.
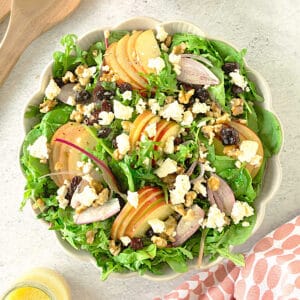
(172, 129)
(139, 124)
(128, 210)
(111, 60)
(146, 47)
(144, 202)
(157, 210)
(132, 53)
(124, 61)
(245, 133)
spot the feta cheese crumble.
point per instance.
(39, 149)
(154, 105)
(121, 111)
(200, 108)
(85, 198)
(248, 150)
(151, 130)
(157, 225)
(125, 240)
(52, 90)
(161, 34)
(140, 106)
(216, 219)
(127, 95)
(133, 198)
(240, 210)
(156, 63)
(123, 143)
(187, 118)
(169, 146)
(105, 118)
(169, 166)
(238, 79)
(182, 186)
(174, 59)
(173, 111)
(61, 196)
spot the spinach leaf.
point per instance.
(269, 131)
(54, 119)
(222, 163)
(240, 182)
(217, 92)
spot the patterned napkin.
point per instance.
(272, 271)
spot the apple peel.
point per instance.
(188, 226)
(100, 213)
(107, 174)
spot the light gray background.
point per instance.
(269, 29)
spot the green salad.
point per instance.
(149, 150)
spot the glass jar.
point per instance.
(39, 284)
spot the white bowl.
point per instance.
(273, 172)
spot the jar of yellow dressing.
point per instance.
(39, 284)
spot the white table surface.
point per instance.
(269, 29)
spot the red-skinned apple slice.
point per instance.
(146, 47)
(159, 210)
(144, 203)
(171, 130)
(124, 61)
(132, 53)
(128, 209)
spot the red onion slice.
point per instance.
(66, 91)
(186, 227)
(107, 174)
(194, 72)
(198, 57)
(100, 213)
(223, 197)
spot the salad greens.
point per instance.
(224, 119)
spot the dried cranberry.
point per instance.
(100, 93)
(236, 90)
(114, 143)
(106, 106)
(125, 86)
(178, 141)
(201, 94)
(229, 136)
(74, 183)
(93, 118)
(82, 96)
(136, 243)
(149, 233)
(229, 67)
(103, 132)
(58, 81)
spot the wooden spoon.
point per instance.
(29, 19)
(4, 8)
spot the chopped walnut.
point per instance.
(169, 99)
(231, 151)
(47, 105)
(168, 41)
(213, 183)
(114, 249)
(190, 215)
(117, 155)
(215, 110)
(159, 242)
(170, 228)
(237, 106)
(225, 118)
(126, 125)
(76, 116)
(109, 76)
(180, 170)
(184, 97)
(179, 208)
(189, 198)
(79, 209)
(69, 77)
(39, 204)
(96, 185)
(102, 197)
(170, 180)
(208, 131)
(90, 236)
(179, 49)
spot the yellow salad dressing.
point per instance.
(39, 284)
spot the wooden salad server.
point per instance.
(29, 19)
(4, 8)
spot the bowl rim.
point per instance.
(148, 22)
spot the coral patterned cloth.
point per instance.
(272, 271)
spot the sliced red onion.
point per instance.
(198, 57)
(100, 213)
(107, 174)
(223, 197)
(66, 91)
(186, 227)
(200, 175)
(191, 169)
(75, 173)
(194, 72)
